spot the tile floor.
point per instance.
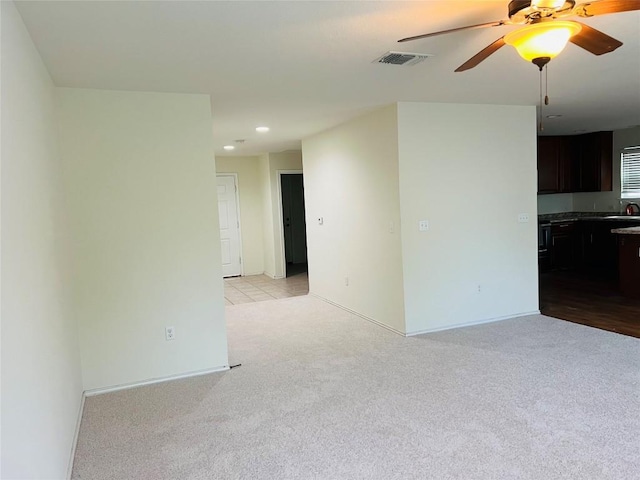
(256, 288)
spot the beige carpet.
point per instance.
(323, 394)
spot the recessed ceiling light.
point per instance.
(262, 129)
(554, 116)
(229, 147)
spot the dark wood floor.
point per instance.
(589, 300)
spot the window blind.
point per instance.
(630, 173)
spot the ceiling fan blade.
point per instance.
(594, 41)
(451, 30)
(481, 55)
(603, 7)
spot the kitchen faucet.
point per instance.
(632, 209)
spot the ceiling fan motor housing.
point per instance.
(526, 11)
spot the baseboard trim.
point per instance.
(74, 444)
(125, 386)
(369, 319)
(470, 324)
(428, 330)
(273, 277)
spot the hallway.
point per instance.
(257, 288)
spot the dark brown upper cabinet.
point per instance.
(548, 165)
(593, 162)
(575, 163)
(556, 159)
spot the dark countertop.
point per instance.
(627, 231)
(587, 216)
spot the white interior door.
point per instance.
(229, 226)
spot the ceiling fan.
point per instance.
(544, 34)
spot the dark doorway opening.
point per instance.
(295, 229)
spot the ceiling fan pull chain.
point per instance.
(546, 84)
(540, 125)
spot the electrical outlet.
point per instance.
(523, 218)
(320, 221)
(346, 281)
(423, 225)
(170, 333)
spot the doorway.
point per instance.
(293, 223)
(229, 218)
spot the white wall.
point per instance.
(267, 216)
(141, 182)
(272, 237)
(290, 160)
(597, 201)
(250, 194)
(459, 171)
(351, 180)
(41, 378)
(556, 203)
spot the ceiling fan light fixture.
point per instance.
(544, 39)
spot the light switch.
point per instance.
(423, 225)
(523, 218)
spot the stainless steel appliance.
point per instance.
(544, 244)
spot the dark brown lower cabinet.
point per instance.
(563, 246)
(587, 245)
(629, 265)
(599, 248)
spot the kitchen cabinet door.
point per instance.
(593, 162)
(566, 162)
(563, 246)
(556, 160)
(629, 265)
(600, 246)
(562, 251)
(548, 164)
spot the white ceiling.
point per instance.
(303, 66)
